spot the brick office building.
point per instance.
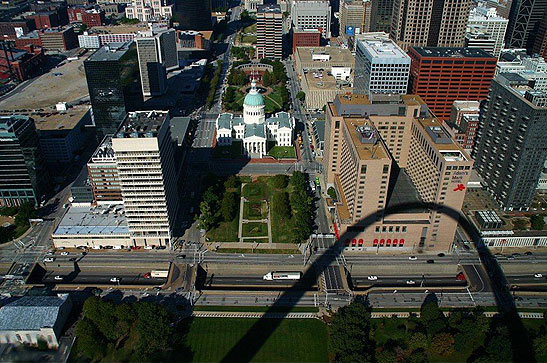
(85, 15)
(441, 76)
(305, 38)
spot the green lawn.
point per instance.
(282, 152)
(281, 228)
(272, 101)
(250, 29)
(249, 39)
(294, 340)
(230, 151)
(254, 229)
(255, 191)
(294, 251)
(225, 231)
(255, 210)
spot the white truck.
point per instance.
(159, 273)
(282, 275)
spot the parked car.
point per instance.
(430, 261)
(65, 253)
(441, 254)
(49, 259)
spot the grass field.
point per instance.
(272, 101)
(254, 229)
(282, 152)
(249, 39)
(230, 151)
(255, 191)
(225, 231)
(294, 340)
(250, 29)
(255, 210)
(294, 251)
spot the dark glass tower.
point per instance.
(380, 17)
(112, 74)
(524, 21)
(23, 177)
(193, 14)
(511, 149)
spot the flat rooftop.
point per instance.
(66, 83)
(104, 151)
(405, 193)
(322, 81)
(337, 55)
(109, 52)
(179, 128)
(449, 52)
(271, 8)
(361, 129)
(119, 29)
(380, 48)
(441, 139)
(100, 220)
(64, 120)
(142, 124)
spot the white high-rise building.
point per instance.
(381, 66)
(312, 15)
(146, 167)
(157, 54)
(486, 21)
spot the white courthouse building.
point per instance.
(254, 129)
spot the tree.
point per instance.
(102, 314)
(417, 341)
(90, 341)
(281, 205)
(153, 328)
(301, 96)
(267, 79)
(498, 347)
(386, 356)
(540, 347)
(232, 182)
(349, 333)
(332, 193)
(537, 222)
(208, 208)
(442, 344)
(228, 207)
(519, 224)
(417, 356)
(279, 181)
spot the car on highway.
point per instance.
(460, 276)
(49, 259)
(50, 253)
(114, 279)
(538, 276)
(373, 278)
(430, 261)
(528, 253)
(181, 257)
(161, 247)
(65, 253)
(413, 258)
(441, 254)
(510, 257)
(58, 278)
(410, 282)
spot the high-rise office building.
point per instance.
(193, 14)
(524, 22)
(381, 15)
(23, 177)
(540, 41)
(144, 154)
(380, 65)
(355, 17)
(103, 174)
(486, 21)
(432, 23)
(148, 10)
(510, 148)
(312, 14)
(112, 75)
(387, 156)
(480, 40)
(269, 32)
(157, 53)
(441, 76)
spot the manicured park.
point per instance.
(294, 340)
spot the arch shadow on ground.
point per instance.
(246, 348)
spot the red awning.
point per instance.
(382, 242)
(401, 241)
(388, 242)
(360, 241)
(375, 242)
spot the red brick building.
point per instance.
(305, 38)
(441, 76)
(46, 20)
(9, 29)
(31, 38)
(22, 64)
(86, 15)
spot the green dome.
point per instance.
(254, 99)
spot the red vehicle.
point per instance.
(460, 276)
(147, 275)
